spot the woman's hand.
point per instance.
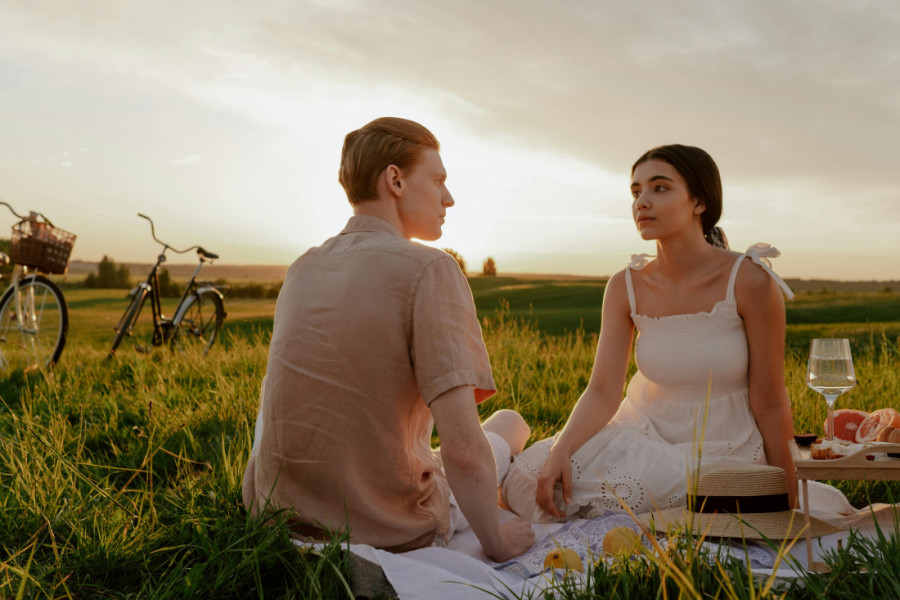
(557, 468)
(600, 399)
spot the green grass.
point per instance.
(560, 307)
(122, 479)
(556, 307)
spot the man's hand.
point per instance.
(516, 537)
(557, 468)
(472, 474)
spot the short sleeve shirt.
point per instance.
(369, 329)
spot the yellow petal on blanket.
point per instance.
(622, 541)
(563, 558)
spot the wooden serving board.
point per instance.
(869, 463)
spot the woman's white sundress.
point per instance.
(642, 457)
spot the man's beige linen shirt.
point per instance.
(369, 329)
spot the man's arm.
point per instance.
(472, 474)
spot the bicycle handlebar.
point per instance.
(32, 215)
(166, 246)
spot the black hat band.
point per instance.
(740, 504)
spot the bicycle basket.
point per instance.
(41, 246)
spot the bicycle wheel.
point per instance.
(141, 334)
(33, 324)
(198, 321)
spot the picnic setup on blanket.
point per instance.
(738, 510)
(734, 510)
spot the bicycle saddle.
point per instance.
(206, 254)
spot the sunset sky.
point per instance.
(223, 120)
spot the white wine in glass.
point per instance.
(830, 372)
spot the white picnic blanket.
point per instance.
(461, 571)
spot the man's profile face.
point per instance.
(425, 199)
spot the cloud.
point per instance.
(775, 90)
(798, 102)
(63, 159)
(187, 160)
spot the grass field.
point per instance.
(122, 479)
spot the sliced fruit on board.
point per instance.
(846, 423)
(872, 425)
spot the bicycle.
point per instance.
(198, 317)
(34, 317)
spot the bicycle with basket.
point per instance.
(198, 317)
(34, 317)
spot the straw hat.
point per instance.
(734, 500)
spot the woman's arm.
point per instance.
(600, 400)
(761, 305)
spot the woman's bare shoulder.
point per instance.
(616, 293)
(754, 285)
(617, 280)
(752, 276)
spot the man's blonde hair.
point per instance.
(373, 147)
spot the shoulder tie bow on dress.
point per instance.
(639, 261)
(760, 254)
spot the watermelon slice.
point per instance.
(872, 425)
(846, 423)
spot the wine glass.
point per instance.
(830, 372)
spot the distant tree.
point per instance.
(458, 257)
(108, 276)
(123, 276)
(251, 290)
(489, 268)
(167, 287)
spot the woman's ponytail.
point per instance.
(716, 237)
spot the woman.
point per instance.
(710, 354)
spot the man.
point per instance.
(376, 341)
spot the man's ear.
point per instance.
(393, 179)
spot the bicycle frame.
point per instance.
(21, 272)
(165, 330)
(192, 284)
(151, 285)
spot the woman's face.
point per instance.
(662, 205)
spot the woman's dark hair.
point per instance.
(702, 177)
